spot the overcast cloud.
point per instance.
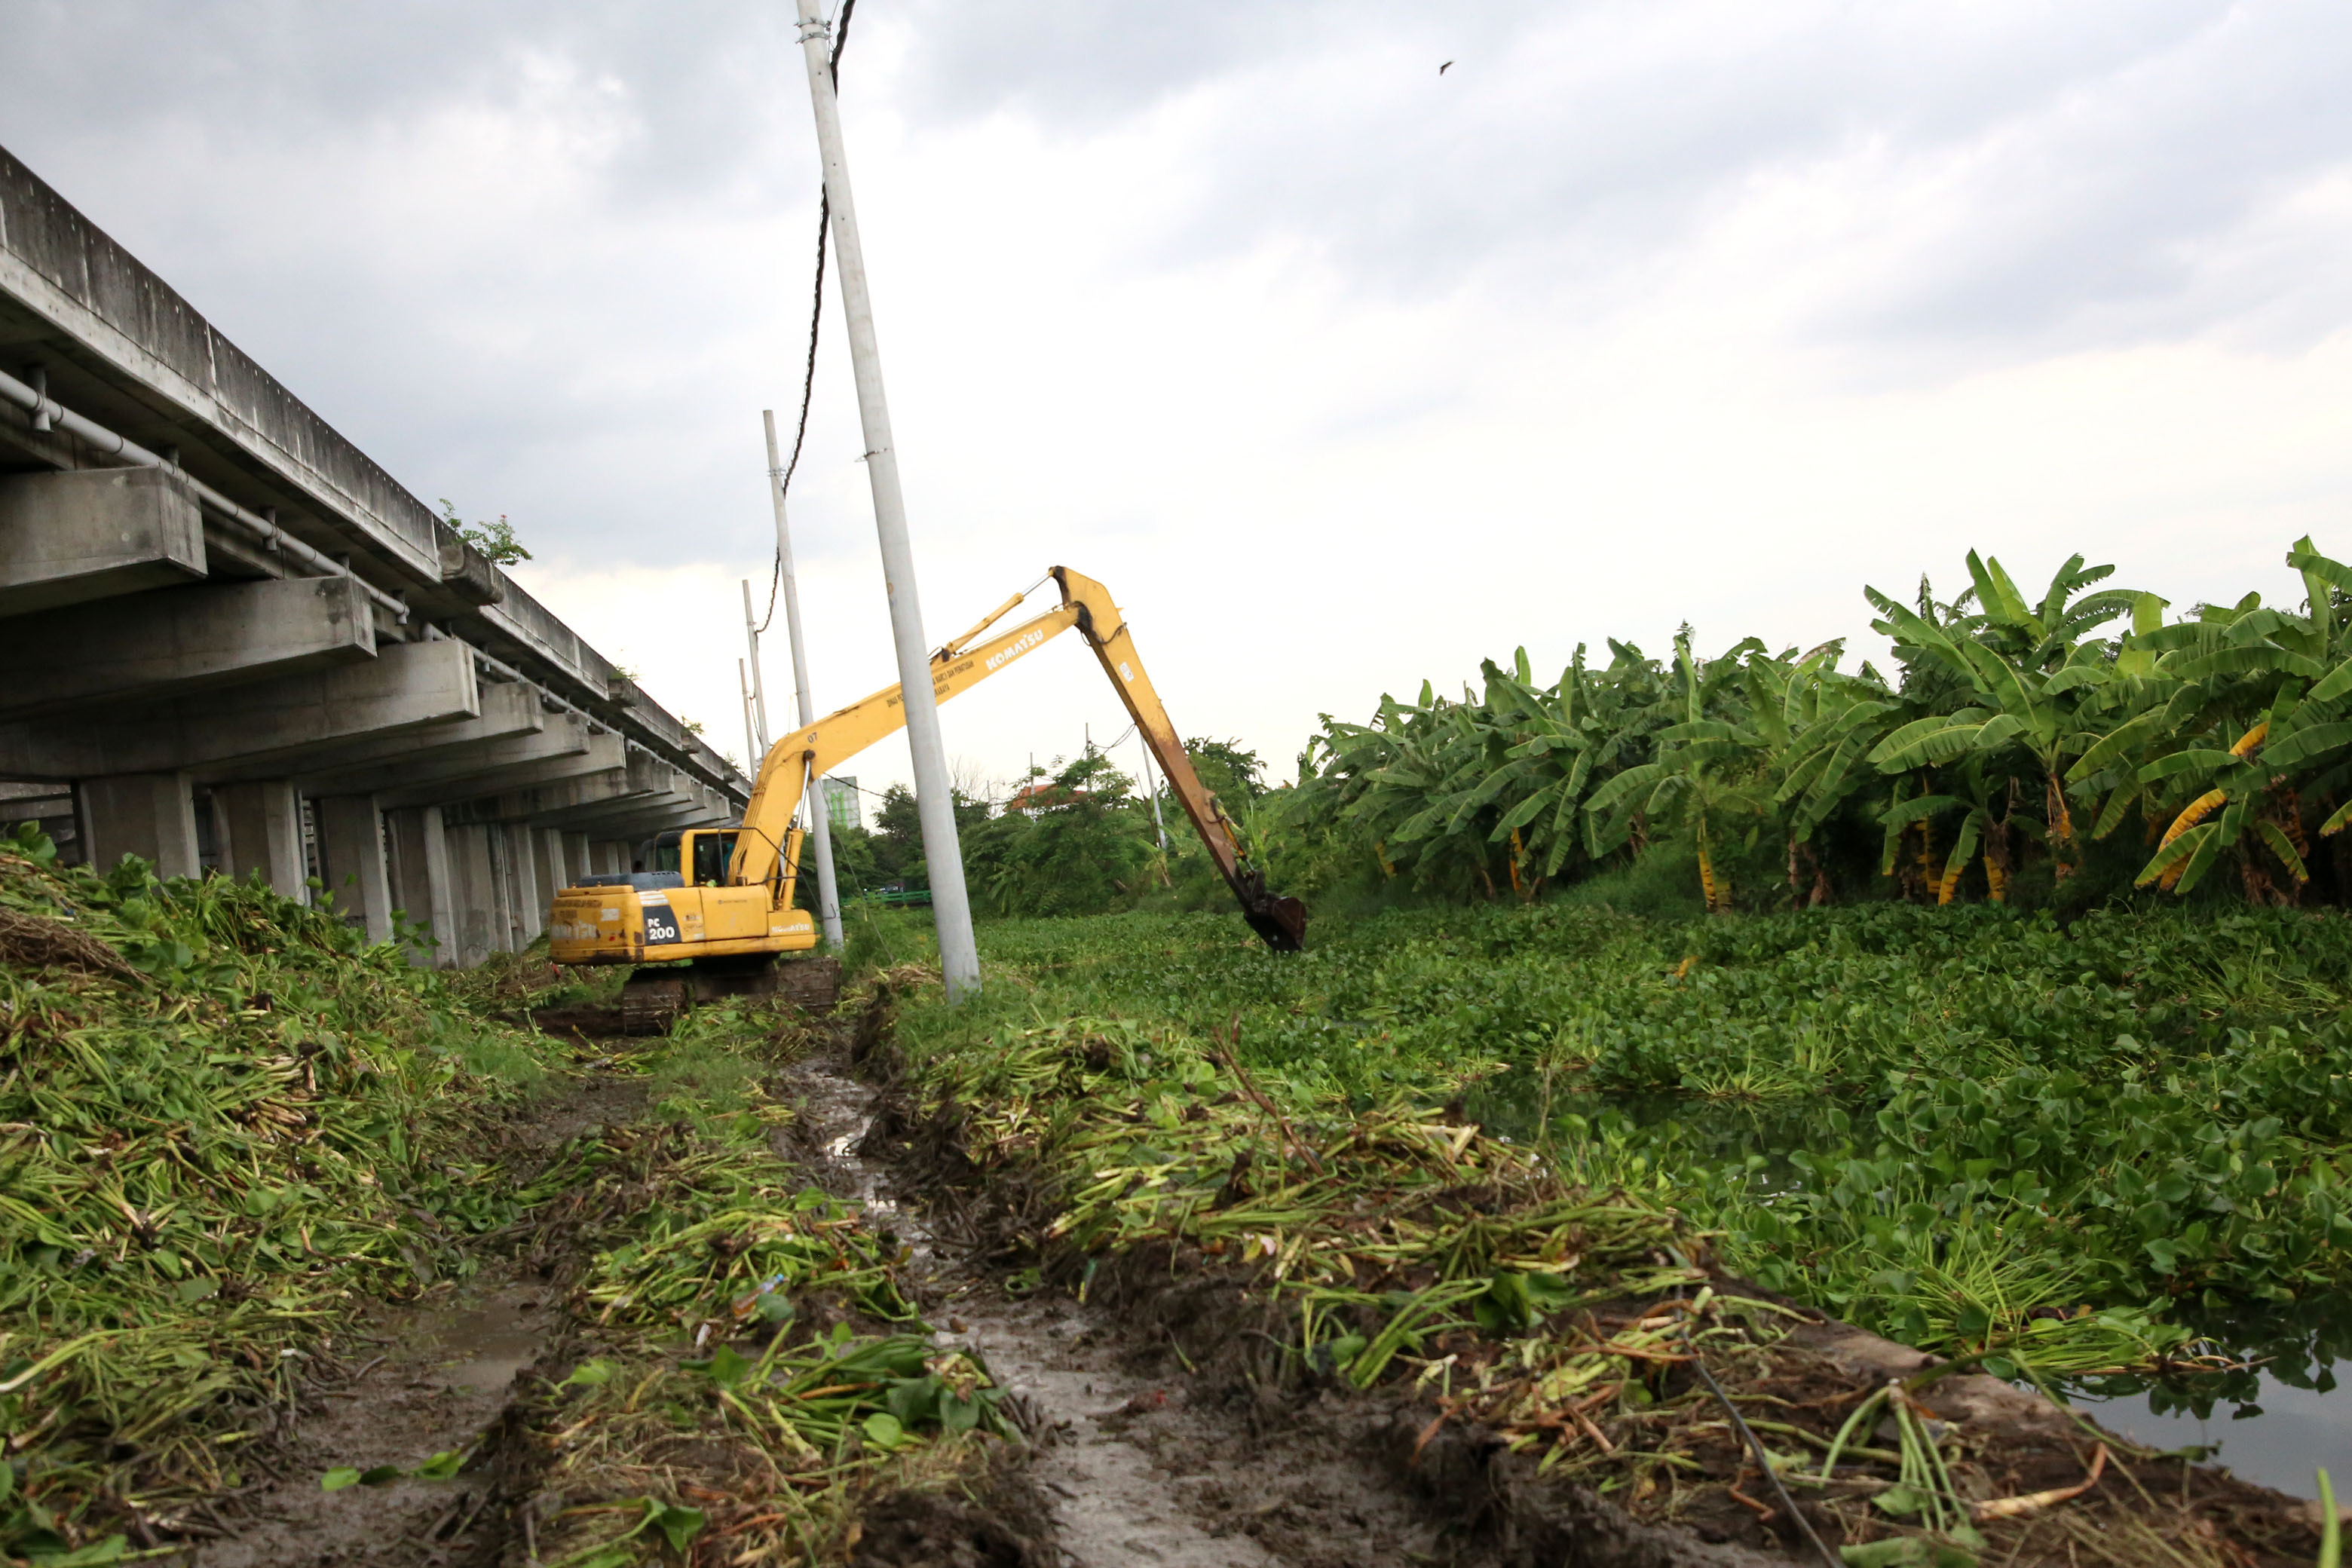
(1341, 373)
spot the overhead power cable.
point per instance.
(783, 481)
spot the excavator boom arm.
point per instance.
(809, 753)
(1281, 921)
(812, 753)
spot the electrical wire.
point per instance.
(816, 318)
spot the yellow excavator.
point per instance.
(722, 899)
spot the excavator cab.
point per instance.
(707, 852)
(697, 857)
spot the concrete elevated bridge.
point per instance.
(229, 641)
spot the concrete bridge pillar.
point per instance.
(262, 822)
(526, 917)
(151, 816)
(351, 858)
(555, 867)
(576, 861)
(423, 885)
(473, 884)
(500, 842)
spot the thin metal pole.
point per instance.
(752, 746)
(759, 689)
(934, 803)
(1144, 742)
(828, 893)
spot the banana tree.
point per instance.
(2026, 667)
(1816, 726)
(2260, 716)
(1988, 822)
(1695, 778)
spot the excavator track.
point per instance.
(652, 1000)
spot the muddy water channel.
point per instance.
(2272, 1422)
(1125, 1463)
(1107, 1483)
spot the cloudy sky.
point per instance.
(1340, 372)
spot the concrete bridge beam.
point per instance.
(554, 803)
(180, 641)
(261, 822)
(507, 711)
(151, 816)
(407, 687)
(448, 773)
(588, 755)
(91, 533)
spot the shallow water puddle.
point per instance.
(483, 1344)
(2282, 1435)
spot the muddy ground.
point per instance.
(1164, 1421)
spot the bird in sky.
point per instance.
(1446, 66)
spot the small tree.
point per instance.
(496, 540)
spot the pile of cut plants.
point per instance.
(224, 1122)
(747, 1372)
(1538, 1325)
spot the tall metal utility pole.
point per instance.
(934, 805)
(828, 893)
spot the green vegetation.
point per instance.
(2017, 754)
(1078, 839)
(496, 540)
(222, 1119)
(1493, 1157)
(1960, 1127)
(227, 1125)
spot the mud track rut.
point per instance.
(1129, 1459)
(1129, 1470)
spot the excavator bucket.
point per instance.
(1281, 921)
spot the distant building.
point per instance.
(841, 801)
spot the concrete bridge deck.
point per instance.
(230, 641)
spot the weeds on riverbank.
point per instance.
(1960, 1127)
(224, 1119)
(1360, 1138)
